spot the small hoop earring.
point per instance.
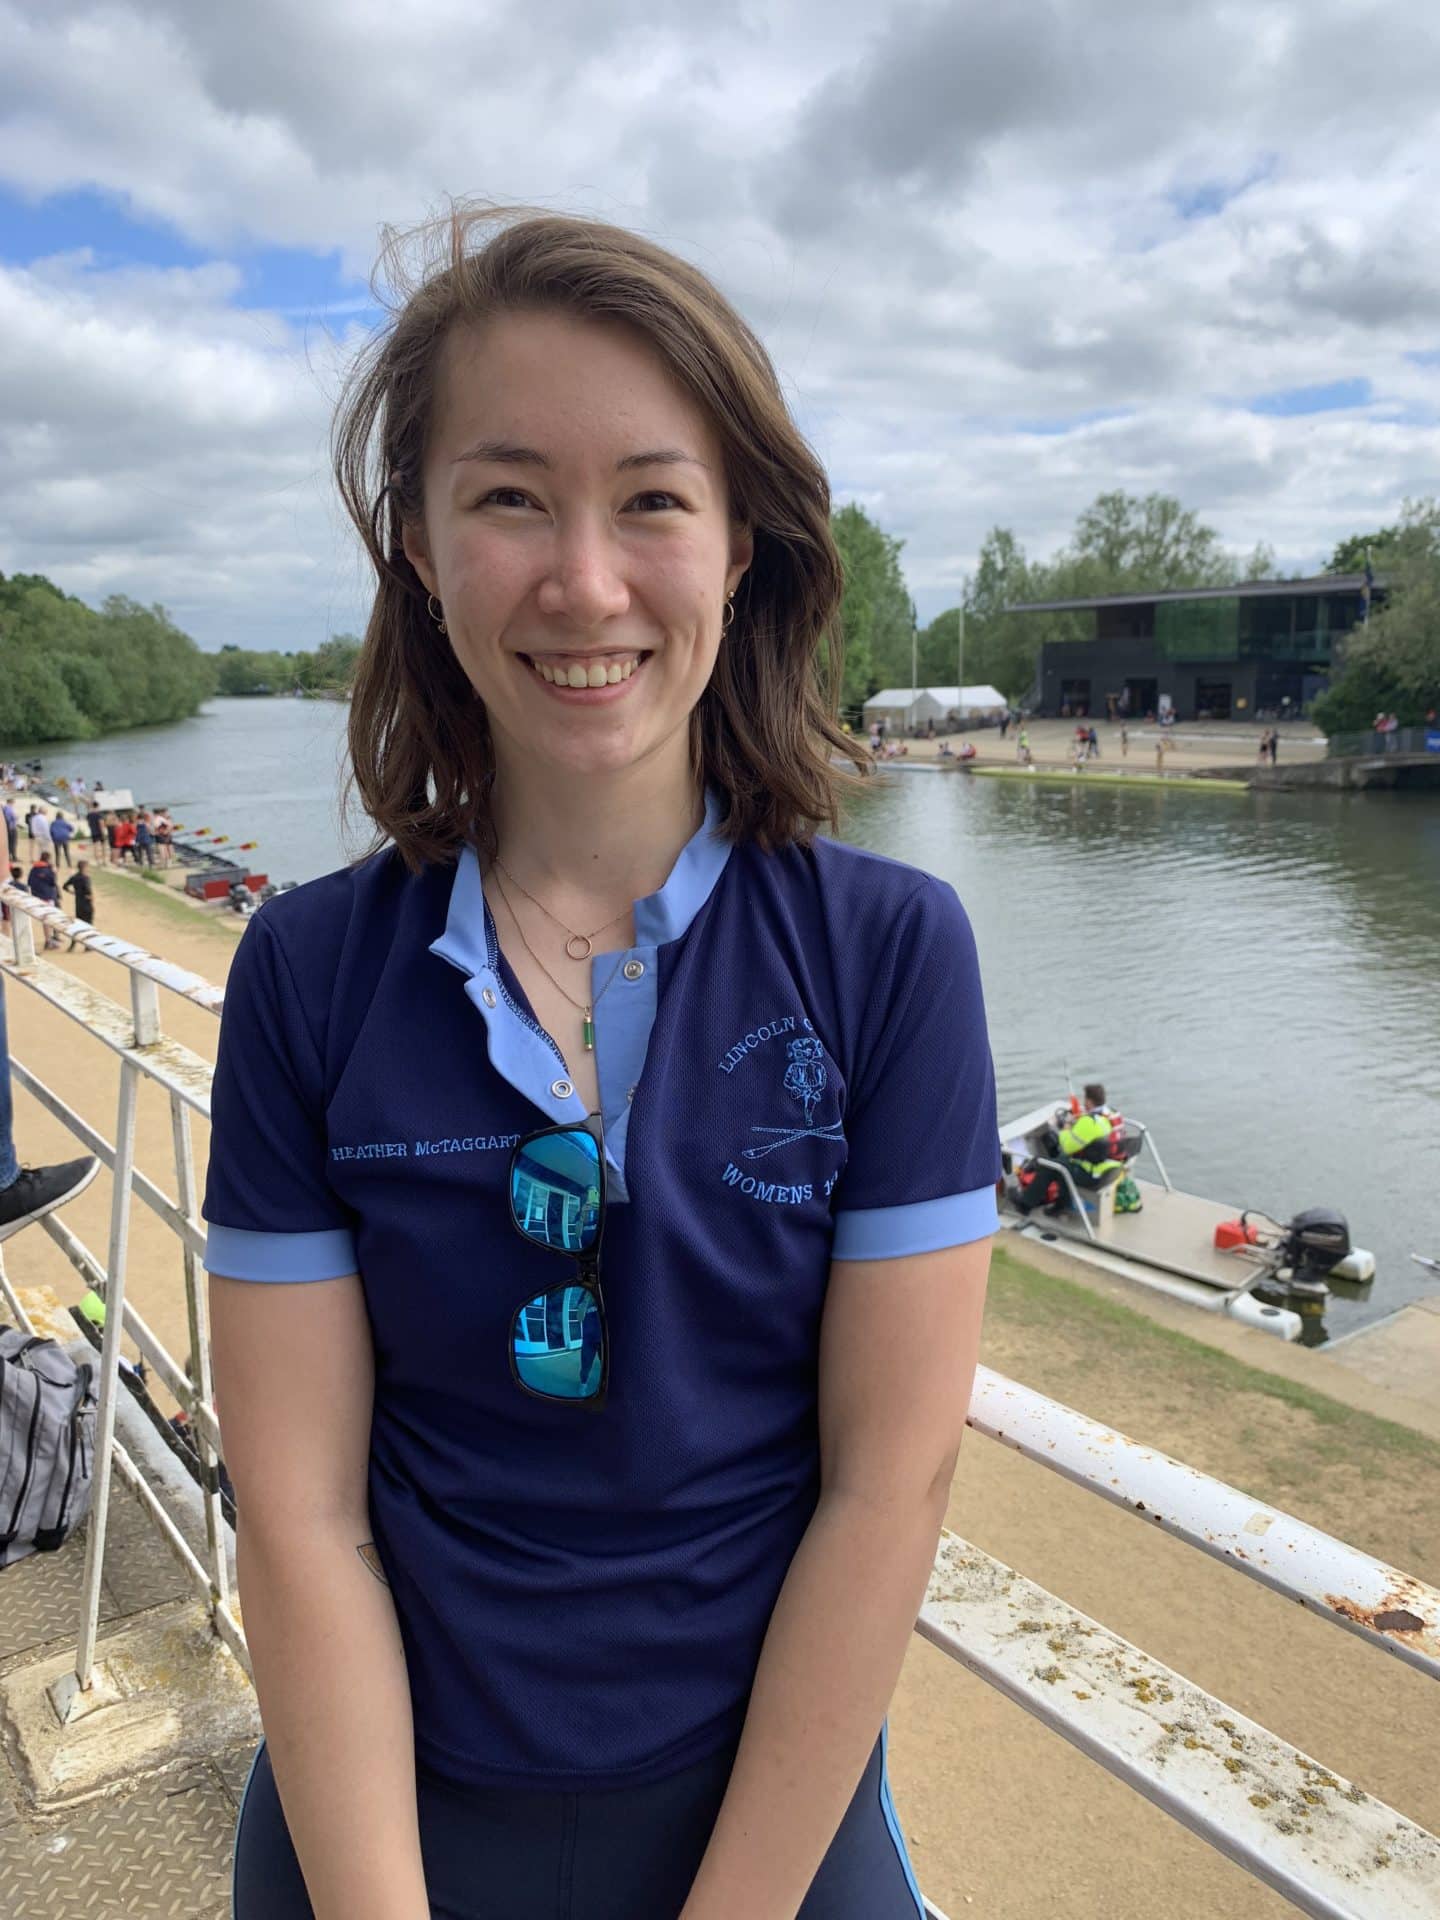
(728, 620)
(436, 612)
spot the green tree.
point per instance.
(71, 672)
(1349, 555)
(1124, 542)
(1393, 661)
(335, 662)
(241, 671)
(876, 615)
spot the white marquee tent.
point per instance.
(913, 706)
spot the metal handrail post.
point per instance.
(1058, 1166)
(22, 937)
(1147, 1139)
(109, 1368)
(198, 1371)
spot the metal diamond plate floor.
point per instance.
(161, 1852)
(161, 1848)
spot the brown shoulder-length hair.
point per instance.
(765, 727)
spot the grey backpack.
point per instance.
(47, 1443)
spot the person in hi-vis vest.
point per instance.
(1085, 1142)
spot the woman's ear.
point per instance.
(417, 552)
(742, 552)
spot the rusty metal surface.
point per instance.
(174, 1066)
(159, 1852)
(1316, 1838)
(1389, 1608)
(139, 960)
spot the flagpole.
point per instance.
(914, 660)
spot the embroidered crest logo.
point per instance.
(806, 1078)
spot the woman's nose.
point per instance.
(584, 581)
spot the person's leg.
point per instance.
(487, 1852)
(636, 1851)
(265, 1878)
(866, 1874)
(9, 1165)
(28, 1194)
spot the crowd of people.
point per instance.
(143, 836)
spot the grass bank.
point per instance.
(1370, 1480)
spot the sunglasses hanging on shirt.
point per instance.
(559, 1340)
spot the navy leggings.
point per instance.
(631, 1854)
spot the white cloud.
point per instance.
(950, 228)
(156, 442)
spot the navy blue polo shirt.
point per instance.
(794, 1069)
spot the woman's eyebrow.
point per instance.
(505, 453)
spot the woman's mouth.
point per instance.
(586, 672)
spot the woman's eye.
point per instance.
(665, 500)
(505, 497)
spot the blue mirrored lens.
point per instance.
(555, 1190)
(557, 1340)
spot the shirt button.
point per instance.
(561, 1089)
(487, 994)
(633, 969)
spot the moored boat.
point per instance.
(1277, 1276)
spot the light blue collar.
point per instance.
(469, 941)
(521, 1051)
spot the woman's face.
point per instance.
(577, 535)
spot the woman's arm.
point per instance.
(294, 1385)
(898, 1348)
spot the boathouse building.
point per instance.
(1259, 651)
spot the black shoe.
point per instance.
(39, 1190)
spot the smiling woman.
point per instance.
(598, 328)
(726, 1184)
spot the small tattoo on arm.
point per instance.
(372, 1560)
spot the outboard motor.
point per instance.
(1315, 1242)
(242, 900)
(1311, 1259)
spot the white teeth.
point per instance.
(599, 673)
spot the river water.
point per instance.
(1255, 976)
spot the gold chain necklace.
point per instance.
(585, 1008)
(584, 940)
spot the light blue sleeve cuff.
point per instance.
(888, 1233)
(238, 1254)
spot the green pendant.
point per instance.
(587, 1032)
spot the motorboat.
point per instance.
(1277, 1276)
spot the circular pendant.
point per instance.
(581, 942)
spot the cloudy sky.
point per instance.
(1004, 256)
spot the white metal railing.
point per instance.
(1321, 1841)
(145, 1053)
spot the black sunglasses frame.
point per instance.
(587, 1266)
